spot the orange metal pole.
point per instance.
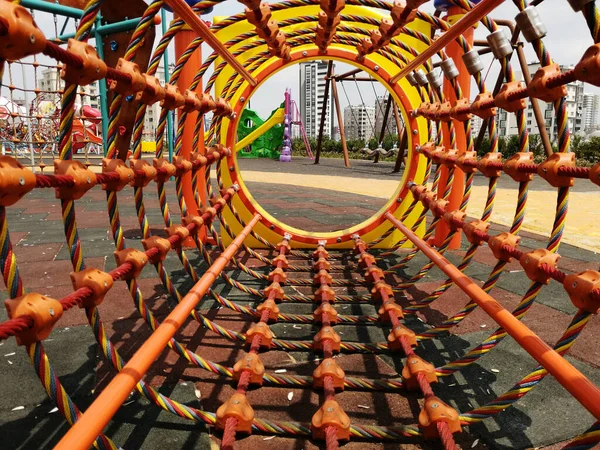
(182, 40)
(469, 19)
(92, 422)
(568, 376)
(454, 51)
(183, 10)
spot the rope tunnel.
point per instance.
(427, 62)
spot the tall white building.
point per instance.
(476, 124)
(312, 94)
(50, 80)
(358, 122)
(591, 103)
(390, 124)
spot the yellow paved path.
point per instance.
(583, 220)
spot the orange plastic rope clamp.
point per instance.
(548, 170)
(327, 334)
(325, 292)
(386, 309)
(532, 262)
(272, 307)
(182, 165)
(538, 86)
(45, 312)
(365, 259)
(164, 169)
(595, 174)
(329, 368)
(193, 219)
(399, 332)
(138, 82)
(222, 106)
(274, 287)
(413, 366)
(142, 179)
(250, 363)
(320, 252)
(330, 414)
(173, 98)
(438, 154)
(191, 101)
(23, 37)
(93, 68)
(279, 273)
(498, 242)
(450, 158)
(372, 272)
(96, 280)
(461, 161)
(206, 103)
(259, 16)
(321, 264)
(152, 84)
(461, 110)
(198, 160)
(237, 406)
(488, 164)
(480, 106)
(473, 230)
(425, 149)
(212, 212)
(117, 166)
(439, 207)
(434, 411)
(323, 277)
(454, 218)
(502, 99)
(579, 286)
(511, 166)
(178, 230)
(281, 261)
(214, 201)
(269, 31)
(84, 179)
(260, 329)
(15, 180)
(325, 308)
(444, 112)
(161, 244)
(359, 246)
(137, 259)
(332, 7)
(588, 68)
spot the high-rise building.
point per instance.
(390, 124)
(507, 124)
(50, 81)
(591, 103)
(358, 122)
(312, 94)
(476, 124)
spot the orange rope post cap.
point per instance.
(461, 161)
(116, 166)
(434, 411)
(278, 272)
(323, 277)
(182, 165)
(498, 242)
(260, 329)
(548, 170)
(250, 362)
(99, 282)
(327, 334)
(325, 292)
(83, 179)
(588, 68)
(455, 219)
(164, 169)
(277, 289)
(143, 172)
(583, 290)
(173, 98)
(538, 86)
(359, 245)
(23, 37)
(490, 164)
(44, 311)
(272, 307)
(320, 252)
(285, 245)
(532, 262)
(595, 174)
(461, 110)
(386, 309)
(511, 166)
(281, 261)
(329, 368)
(474, 230)
(195, 219)
(92, 67)
(366, 259)
(137, 84)
(135, 257)
(483, 105)
(503, 100)
(321, 264)
(398, 333)
(153, 93)
(372, 273)
(239, 408)
(15, 180)
(380, 288)
(178, 230)
(326, 308)
(330, 414)
(161, 244)
(413, 366)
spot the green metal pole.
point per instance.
(53, 8)
(110, 28)
(102, 88)
(163, 16)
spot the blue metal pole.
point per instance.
(163, 16)
(102, 88)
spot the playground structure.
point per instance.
(395, 49)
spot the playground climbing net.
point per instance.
(396, 48)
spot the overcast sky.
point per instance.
(567, 39)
